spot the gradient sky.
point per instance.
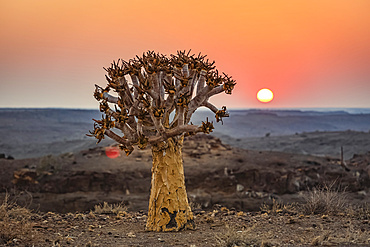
(310, 53)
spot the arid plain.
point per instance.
(250, 182)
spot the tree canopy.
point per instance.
(154, 97)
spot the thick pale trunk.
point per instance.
(169, 209)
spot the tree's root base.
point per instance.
(190, 225)
(171, 222)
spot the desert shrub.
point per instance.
(107, 208)
(15, 223)
(46, 163)
(325, 200)
(278, 208)
(194, 205)
(232, 237)
(319, 240)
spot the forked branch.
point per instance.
(152, 88)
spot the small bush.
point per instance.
(319, 240)
(15, 223)
(107, 208)
(278, 208)
(232, 237)
(195, 205)
(325, 200)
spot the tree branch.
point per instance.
(197, 101)
(160, 86)
(215, 91)
(110, 98)
(129, 101)
(180, 119)
(174, 132)
(127, 131)
(210, 106)
(157, 122)
(117, 138)
(135, 83)
(201, 80)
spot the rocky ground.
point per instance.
(279, 225)
(215, 173)
(60, 194)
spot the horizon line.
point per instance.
(203, 108)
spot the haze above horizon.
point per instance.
(311, 54)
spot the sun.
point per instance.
(265, 95)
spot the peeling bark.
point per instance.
(169, 209)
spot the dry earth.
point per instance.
(61, 192)
(277, 226)
(215, 174)
(57, 193)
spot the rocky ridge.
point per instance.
(215, 174)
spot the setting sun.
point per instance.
(265, 95)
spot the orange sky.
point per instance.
(313, 53)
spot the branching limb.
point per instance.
(117, 138)
(210, 106)
(135, 83)
(169, 105)
(180, 115)
(196, 102)
(201, 80)
(139, 127)
(157, 122)
(179, 130)
(110, 98)
(129, 101)
(129, 132)
(192, 82)
(215, 91)
(160, 86)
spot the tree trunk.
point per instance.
(169, 209)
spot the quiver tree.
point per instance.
(153, 100)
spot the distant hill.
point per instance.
(257, 123)
(36, 132)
